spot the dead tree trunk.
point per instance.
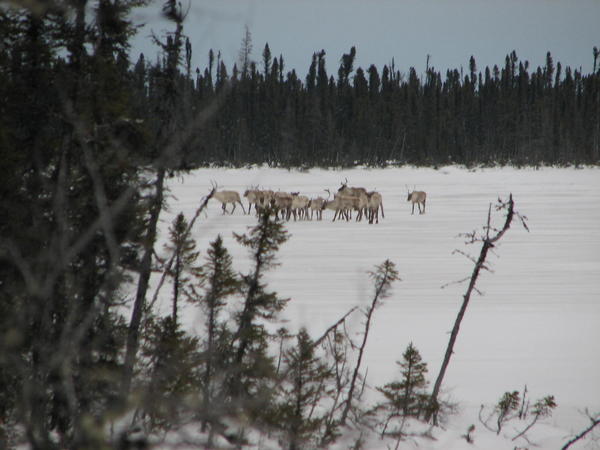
(133, 332)
(488, 242)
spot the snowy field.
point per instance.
(536, 324)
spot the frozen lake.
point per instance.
(538, 322)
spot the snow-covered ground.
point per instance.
(537, 324)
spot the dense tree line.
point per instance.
(261, 113)
(508, 114)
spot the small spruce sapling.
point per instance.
(510, 407)
(183, 248)
(215, 282)
(406, 397)
(174, 361)
(506, 407)
(309, 383)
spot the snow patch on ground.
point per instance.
(537, 324)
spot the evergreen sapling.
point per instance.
(406, 397)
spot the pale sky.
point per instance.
(450, 31)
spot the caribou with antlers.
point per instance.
(360, 205)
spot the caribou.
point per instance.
(259, 198)
(266, 198)
(316, 204)
(299, 205)
(360, 193)
(350, 190)
(361, 205)
(342, 205)
(226, 197)
(375, 201)
(254, 197)
(418, 197)
(282, 202)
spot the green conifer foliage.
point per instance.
(252, 366)
(506, 407)
(213, 284)
(309, 383)
(172, 375)
(183, 247)
(70, 212)
(406, 397)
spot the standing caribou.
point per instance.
(228, 197)
(300, 206)
(350, 190)
(284, 204)
(418, 197)
(316, 205)
(375, 201)
(360, 193)
(348, 199)
(254, 198)
(342, 205)
(368, 203)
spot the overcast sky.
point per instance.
(450, 31)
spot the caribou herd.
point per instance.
(287, 205)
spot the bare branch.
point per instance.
(594, 423)
(444, 286)
(333, 327)
(466, 255)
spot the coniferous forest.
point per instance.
(334, 115)
(89, 133)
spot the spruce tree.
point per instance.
(506, 408)
(252, 367)
(406, 397)
(183, 247)
(172, 375)
(309, 381)
(244, 56)
(266, 62)
(212, 286)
